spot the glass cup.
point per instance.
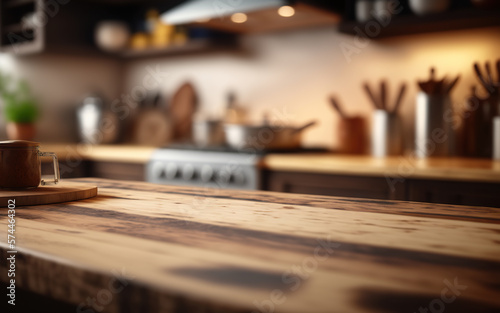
(20, 165)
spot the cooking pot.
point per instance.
(265, 137)
(208, 133)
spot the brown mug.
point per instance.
(20, 165)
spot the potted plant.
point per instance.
(19, 107)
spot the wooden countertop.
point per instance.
(327, 163)
(112, 153)
(404, 167)
(155, 248)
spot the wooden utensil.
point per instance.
(498, 71)
(489, 77)
(62, 192)
(182, 109)
(383, 95)
(372, 96)
(451, 85)
(337, 107)
(399, 99)
(483, 81)
(433, 74)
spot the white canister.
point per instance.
(496, 138)
(364, 9)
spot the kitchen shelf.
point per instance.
(408, 23)
(14, 28)
(193, 46)
(16, 3)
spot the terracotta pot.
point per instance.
(19, 131)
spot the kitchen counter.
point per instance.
(465, 169)
(113, 153)
(405, 167)
(140, 247)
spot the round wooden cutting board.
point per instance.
(62, 192)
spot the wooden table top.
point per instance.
(178, 249)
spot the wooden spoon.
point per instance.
(399, 99)
(337, 107)
(383, 95)
(488, 73)
(483, 81)
(452, 84)
(371, 96)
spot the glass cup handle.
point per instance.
(56, 168)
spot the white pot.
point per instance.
(112, 36)
(425, 7)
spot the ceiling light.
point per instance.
(239, 18)
(286, 11)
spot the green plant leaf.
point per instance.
(19, 105)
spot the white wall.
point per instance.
(59, 83)
(296, 71)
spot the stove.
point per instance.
(216, 167)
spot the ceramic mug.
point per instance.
(20, 165)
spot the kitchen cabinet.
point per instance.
(420, 190)
(454, 192)
(332, 185)
(34, 26)
(461, 15)
(102, 169)
(116, 170)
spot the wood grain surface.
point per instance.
(62, 192)
(179, 249)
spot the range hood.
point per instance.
(250, 16)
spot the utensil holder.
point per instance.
(386, 135)
(434, 135)
(351, 134)
(496, 138)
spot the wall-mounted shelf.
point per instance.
(192, 46)
(460, 16)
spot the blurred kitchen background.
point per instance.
(263, 61)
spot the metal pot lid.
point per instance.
(18, 144)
